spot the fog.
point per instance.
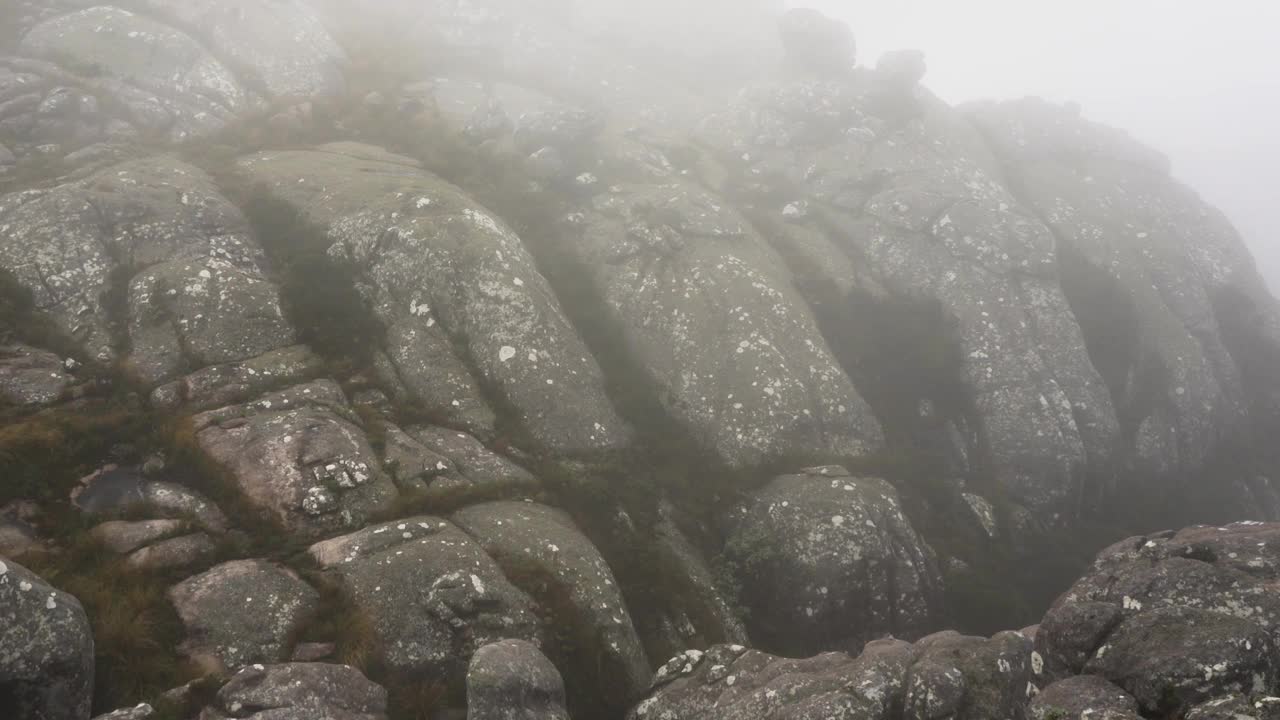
(1199, 81)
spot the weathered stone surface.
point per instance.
(690, 610)
(220, 385)
(452, 466)
(46, 649)
(1084, 694)
(828, 561)
(1175, 619)
(298, 691)
(1178, 319)
(185, 552)
(142, 711)
(431, 593)
(943, 676)
(301, 457)
(307, 64)
(438, 264)
(899, 218)
(512, 680)
(123, 537)
(169, 83)
(543, 553)
(157, 70)
(1171, 658)
(30, 377)
(713, 321)
(157, 232)
(243, 612)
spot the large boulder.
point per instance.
(439, 266)
(828, 561)
(30, 377)
(430, 593)
(298, 691)
(301, 457)
(543, 553)
(243, 612)
(512, 680)
(46, 649)
(146, 255)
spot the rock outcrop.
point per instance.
(298, 691)
(46, 649)
(441, 267)
(828, 561)
(431, 594)
(511, 680)
(243, 612)
(544, 554)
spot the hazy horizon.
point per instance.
(1196, 82)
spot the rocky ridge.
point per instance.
(495, 367)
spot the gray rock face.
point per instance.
(221, 385)
(170, 84)
(431, 593)
(816, 43)
(714, 323)
(1176, 620)
(1083, 694)
(512, 680)
(1179, 317)
(301, 457)
(158, 233)
(46, 649)
(543, 553)
(898, 211)
(243, 612)
(452, 466)
(298, 691)
(184, 552)
(945, 675)
(439, 265)
(30, 377)
(828, 561)
(171, 70)
(308, 66)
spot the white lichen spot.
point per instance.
(506, 352)
(477, 584)
(50, 603)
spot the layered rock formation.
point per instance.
(468, 350)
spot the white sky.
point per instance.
(1197, 79)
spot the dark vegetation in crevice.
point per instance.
(318, 290)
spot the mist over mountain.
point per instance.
(592, 359)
